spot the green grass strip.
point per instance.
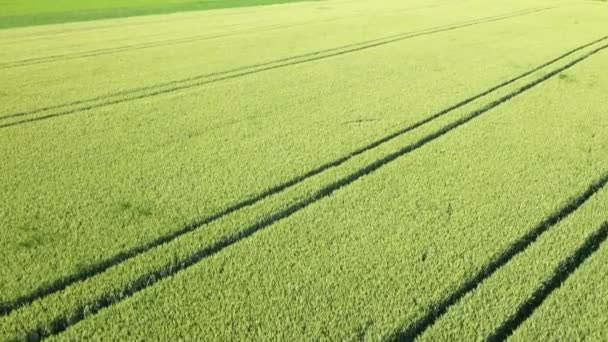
(33, 13)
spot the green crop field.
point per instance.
(305, 170)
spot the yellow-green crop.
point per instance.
(315, 170)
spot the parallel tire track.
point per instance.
(200, 80)
(44, 35)
(140, 46)
(198, 77)
(560, 275)
(95, 269)
(148, 280)
(168, 42)
(416, 329)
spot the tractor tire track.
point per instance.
(61, 284)
(561, 273)
(166, 42)
(141, 46)
(145, 281)
(417, 328)
(200, 80)
(209, 75)
(412, 332)
(44, 35)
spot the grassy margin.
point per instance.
(122, 12)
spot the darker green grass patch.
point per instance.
(32, 237)
(566, 77)
(31, 13)
(128, 211)
(30, 243)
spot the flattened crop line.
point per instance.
(203, 76)
(148, 280)
(140, 46)
(148, 45)
(98, 52)
(61, 284)
(44, 35)
(560, 275)
(93, 53)
(188, 79)
(247, 70)
(419, 327)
